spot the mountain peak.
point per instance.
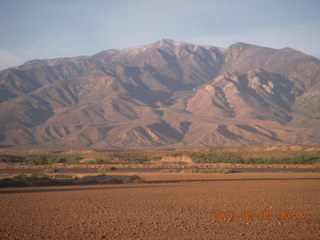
(166, 41)
(165, 94)
(170, 43)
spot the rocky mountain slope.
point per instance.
(167, 94)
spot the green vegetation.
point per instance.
(295, 159)
(62, 176)
(51, 159)
(209, 158)
(246, 155)
(106, 169)
(74, 160)
(138, 160)
(39, 176)
(40, 160)
(133, 156)
(181, 162)
(154, 158)
(39, 179)
(176, 154)
(49, 169)
(21, 177)
(12, 159)
(208, 170)
(97, 161)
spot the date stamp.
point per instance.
(263, 214)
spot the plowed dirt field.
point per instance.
(172, 206)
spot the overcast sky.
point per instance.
(41, 29)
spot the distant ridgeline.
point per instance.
(167, 94)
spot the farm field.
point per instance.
(179, 198)
(168, 209)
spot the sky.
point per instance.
(44, 29)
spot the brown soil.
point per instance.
(165, 210)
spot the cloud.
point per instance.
(8, 59)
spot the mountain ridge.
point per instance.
(166, 94)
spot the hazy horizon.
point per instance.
(52, 29)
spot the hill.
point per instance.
(167, 94)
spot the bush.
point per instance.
(38, 160)
(210, 158)
(138, 160)
(10, 182)
(20, 177)
(181, 162)
(49, 169)
(51, 159)
(61, 160)
(12, 159)
(62, 176)
(39, 179)
(305, 159)
(97, 161)
(176, 154)
(228, 158)
(106, 169)
(39, 176)
(74, 160)
(208, 170)
(44, 159)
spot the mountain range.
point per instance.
(166, 94)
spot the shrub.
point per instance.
(210, 158)
(208, 170)
(20, 177)
(138, 160)
(39, 176)
(38, 160)
(49, 169)
(305, 158)
(74, 160)
(12, 159)
(61, 160)
(62, 176)
(10, 182)
(106, 169)
(39, 179)
(181, 162)
(97, 161)
(228, 158)
(176, 154)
